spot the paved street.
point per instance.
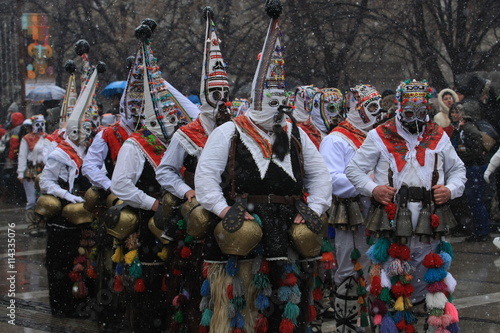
(476, 268)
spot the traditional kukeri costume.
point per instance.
(349, 208)
(69, 235)
(411, 154)
(176, 175)
(255, 280)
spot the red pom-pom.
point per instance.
(376, 286)
(408, 290)
(205, 269)
(238, 330)
(398, 289)
(311, 315)
(327, 257)
(91, 273)
(117, 285)
(164, 283)
(261, 325)
(228, 104)
(74, 276)
(435, 221)
(230, 291)
(390, 209)
(433, 260)
(409, 328)
(399, 251)
(317, 294)
(185, 252)
(401, 325)
(286, 326)
(177, 272)
(264, 267)
(290, 280)
(202, 329)
(139, 285)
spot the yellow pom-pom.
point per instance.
(130, 256)
(118, 255)
(163, 254)
(399, 305)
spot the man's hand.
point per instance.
(442, 194)
(223, 213)
(383, 194)
(20, 180)
(190, 195)
(155, 206)
(299, 219)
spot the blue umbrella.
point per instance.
(114, 88)
(46, 93)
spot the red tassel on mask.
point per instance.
(164, 283)
(286, 326)
(317, 294)
(118, 286)
(312, 314)
(139, 285)
(261, 325)
(290, 280)
(202, 329)
(91, 273)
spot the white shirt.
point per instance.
(128, 170)
(34, 156)
(93, 165)
(337, 154)
(213, 162)
(60, 165)
(168, 172)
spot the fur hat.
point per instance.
(469, 109)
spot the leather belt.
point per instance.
(271, 198)
(417, 194)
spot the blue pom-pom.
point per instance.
(453, 328)
(398, 316)
(331, 232)
(434, 275)
(446, 260)
(119, 268)
(205, 288)
(388, 325)
(262, 302)
(288, 268)
(284, 293)
(238, 321)
(232, 266)
(410, 317)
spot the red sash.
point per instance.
(32, 139)
(351, 133)
(150, 145)
(312, 132)
(55, 136)
(246, 126)
(66, 147)
(396, 145)
(114, 136)
(196, 133)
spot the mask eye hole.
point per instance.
(216, 95)
(274, 103)
(331, 108)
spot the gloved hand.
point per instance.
(486, 176)
(72, 198)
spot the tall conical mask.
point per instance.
(214, 82)
(79, 127)
(71, 95)
(268, 86)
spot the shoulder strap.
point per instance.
(231, 162)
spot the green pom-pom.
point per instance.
(407, 81)
(364, 319)
(436, 312)
(360, 273)
(327, 246)
(355, 254)
(370, 240)
(261, 280)
(381, 249)
(239, 302)
(135, 270)
(317, 282)
(360, 291)
(403, 279)
(445, 247)
(181, 224)
(206, 317)
(394, 279)
(424, 81)
(385, 295)
(179, 317)
(257, 219)
(450, 298)
(291, 312)
(189, 239)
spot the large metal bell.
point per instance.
(385, 227)
(404, 227)
(355, 215)
(441, 228)
(332, 212)
(373, 218)
(424, 228)
(341, 217)
(451, 222)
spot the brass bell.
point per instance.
(424, 228)
(355, 215)
(197, 218)
(373, 218)
(404, 227)
(157, 230)
(332, 211)
(341, 217)
(112, 200)
(306, 242)
(170, 201)
(48, 205)
(94, 197)
(441, 228)
(451, 222)
(385, 227)
(128, 223)
(76, 214)
(240, 242)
